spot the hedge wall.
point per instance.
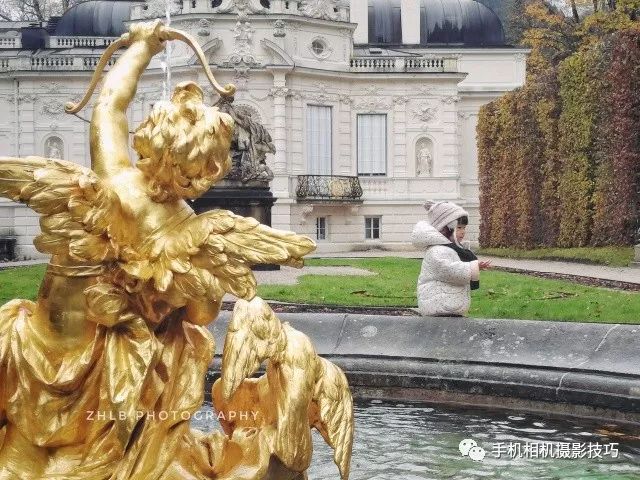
(559, 159)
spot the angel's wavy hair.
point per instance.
(183, 145)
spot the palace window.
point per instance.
(321, 228)
(372, 144)
(372, 228)
(318, 47)
(319, 140)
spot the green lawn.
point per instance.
(502, 295)
(20, 282)
(613, 256)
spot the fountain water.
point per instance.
(165, 64)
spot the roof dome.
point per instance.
(96, 18)
(459, 22)
(465, 23)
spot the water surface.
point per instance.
(409, 441)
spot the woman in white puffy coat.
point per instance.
(444, 285)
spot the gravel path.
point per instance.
(290, 276)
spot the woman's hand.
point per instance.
(485, 265)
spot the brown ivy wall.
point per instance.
(559, 159)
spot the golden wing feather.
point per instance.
(223, 245)
(334, 419)
(81, 217)
(253, 336)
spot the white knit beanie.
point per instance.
(441, 214)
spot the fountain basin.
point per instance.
(582, 369)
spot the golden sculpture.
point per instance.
(100, 376)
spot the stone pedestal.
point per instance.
(636, 261)
(249, 201)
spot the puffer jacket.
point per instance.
(444, 281)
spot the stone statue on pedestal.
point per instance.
(250, 145)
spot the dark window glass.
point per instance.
(385, 22)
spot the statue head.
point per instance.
(183, 145)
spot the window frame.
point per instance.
(370, 229)
(386, 144)
(324, 228)
(307, 139)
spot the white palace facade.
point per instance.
(372, 104)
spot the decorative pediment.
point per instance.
(209, 48)
(280, 55)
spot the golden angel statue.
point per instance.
(100, 376)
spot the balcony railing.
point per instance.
(86, 42)
(329, 188)
(379, 64)
(10, 42)
(52, 62)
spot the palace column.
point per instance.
(279, 94)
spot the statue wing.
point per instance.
(333, 414)
(80, 216)
(212, 254)
(254, 335)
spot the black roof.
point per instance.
(96, 18)
(464, 23)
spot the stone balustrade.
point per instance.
(13, 41)
(52, 63)
(406, 188)
(384, 64)
(79, 42)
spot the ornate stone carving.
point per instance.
(424, 158)
(54, 88)
(27, 97)
(466, 115)
(426, 91)
(371, 90)
(158, 8)
(278, 28)
(52, 107)
(280, 92)
(204, 27)
(323, 9)
(305, 212)
(241, 7)
(54, 148)
(401, 99)
(449, 99)
(425, 112)
(250, 144)
(243, 57)
(372, 105)
(346, 99)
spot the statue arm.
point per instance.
(109, 133)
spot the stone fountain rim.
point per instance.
(566, 368)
